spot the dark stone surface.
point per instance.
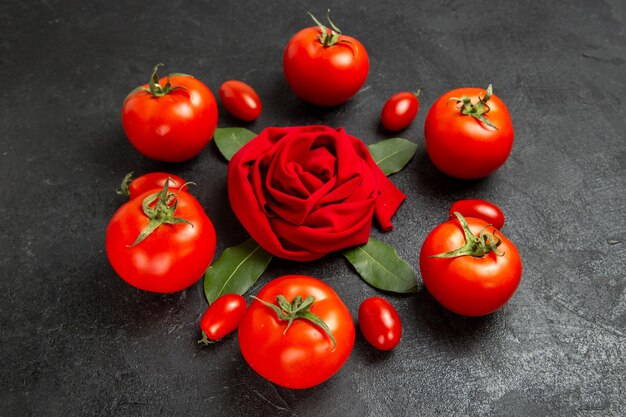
(76, 340)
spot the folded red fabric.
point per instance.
(303, 192)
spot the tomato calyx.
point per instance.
(476, 246)
(125, 185)
(328, 37)
(477, 110)
(158, 90)
(206, 341)
(297, 309)
(165, 203)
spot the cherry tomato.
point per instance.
(174, 255)
(380, 323)
(324, 67)
(400, 110)
(171, 119)
(304, 353)
(240, 100)
(473, 281)
(479, 209)
(132, 188)
(468, 133)
(222, 317)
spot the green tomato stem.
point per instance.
(124, 186)
(158, 90)
(478, 110)
(297, 309)
(165, 203)
(328, 37)
(476, 246)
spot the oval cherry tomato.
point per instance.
(171, 119)
(222, 317)
(400, 110)
(324, 67)
(240, 100)
(464, 146)
(465, 284)
(173, 256)
(380, 323)
(303, 354)
(132, 188)
(479, 209)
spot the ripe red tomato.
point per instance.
(301, 354)
(466, 284)
(400, 110)
(171, 119)
(468, 133)
(240, 100)
(324, 67)
(174, 255)
(479, 209)
(132, 188)
(380, 323)
(222, 317)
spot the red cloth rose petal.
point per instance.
(303, 192)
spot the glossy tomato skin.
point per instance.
(380, 323)
(303, 357)
(399, 111)
(324, 76)
(468, 285)
(153, 180)
(174, 127)
(462, 146)
(223, 316)
(479, 209)
(172, 258)
(240, 100)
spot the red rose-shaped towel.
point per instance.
(303, 192)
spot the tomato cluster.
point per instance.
(297, 332)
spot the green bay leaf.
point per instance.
(392, 155)
(230, 139)
(380, 266)
(236, 270)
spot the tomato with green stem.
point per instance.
(468, 133)
(170, 119)
(297, 333)
(160, 241)
(324, 66)
(222, 317)
(469, 266)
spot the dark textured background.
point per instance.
(76, 340)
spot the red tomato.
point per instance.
(132, 188)
(171, 119)
(240, 100)
(303, 354)
(479, 209)
(324, 67)
(400, 110)
(468, 133)
(171, 258)
(380, 323)
(222, 317)
(465, 284)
